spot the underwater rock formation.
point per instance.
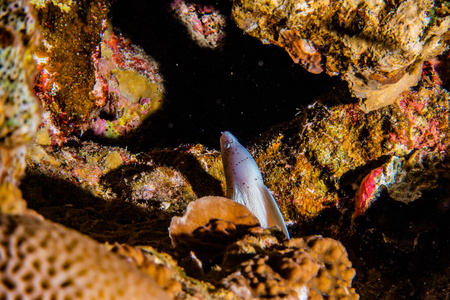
(66, 78)
(309, 164)
(169, 177)
(90, 77)
(404, 178)
(309, 161)
(41, 259)
(328, 165)
(128, 86)
(377, 47)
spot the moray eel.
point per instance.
(245, 184)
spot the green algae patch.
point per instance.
(134, 86)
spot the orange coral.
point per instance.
(300, 50)
(211, 223)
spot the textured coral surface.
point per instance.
(312, 267)
(45, 260)
(19, 107)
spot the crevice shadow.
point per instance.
(105, 221)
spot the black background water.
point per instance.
(245, 87)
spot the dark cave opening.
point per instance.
(245, 87)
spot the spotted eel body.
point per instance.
(245, 184)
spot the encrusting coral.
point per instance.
(329, 148)
(71, 31)
(128, 86)
(43, 260)
(91, 77)
(19, 108)
(302, 51)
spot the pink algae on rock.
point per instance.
(204, 23)
(367, 190)
(425, 127)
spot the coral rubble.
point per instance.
(377, 47)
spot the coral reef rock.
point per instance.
(44, 260)
(329, 149)
(71, 31)
(313, 267)
(91, 78)
(19, 108)
(161, 273)
(405, 178)
(254, 265)
(128, 86)
(377, 47)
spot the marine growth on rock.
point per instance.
(378, 47)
